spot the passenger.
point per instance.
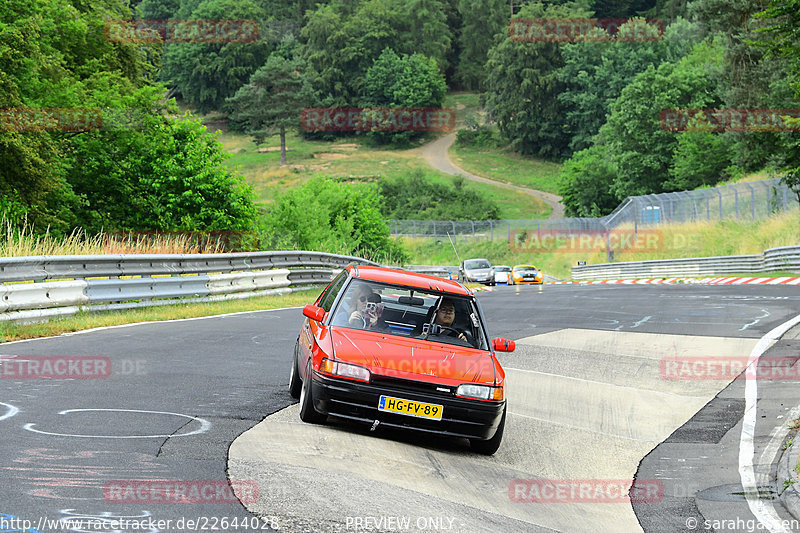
(368, 312)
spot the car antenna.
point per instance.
(454, 246)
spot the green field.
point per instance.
(348, 158)
(501, 164)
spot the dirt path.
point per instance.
(436, 155)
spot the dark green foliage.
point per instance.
(343, 39)
(641, 148)
(700, 158)
(408, 81)
(482, 21)
(479, 137)
(143, 170)
(594, 74)
(205, 74)
(331, 216)
(417, 197)
(586, 183)
(523, 87)
(779, 35)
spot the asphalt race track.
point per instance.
(193, 403)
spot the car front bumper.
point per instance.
(472, 419)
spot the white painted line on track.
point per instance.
(11, 411)
(205, 425)
(763, 510)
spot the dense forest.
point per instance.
(592, 103)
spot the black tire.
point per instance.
(488, 447)
(295, 383)
(307, 412)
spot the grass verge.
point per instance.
(700, 239)
(89, 320)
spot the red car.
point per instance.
(397, 349)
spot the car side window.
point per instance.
(329, 296)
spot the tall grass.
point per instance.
(18, 240)
(698, 239)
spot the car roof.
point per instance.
(409, 279)
(532, 266)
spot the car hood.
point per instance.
(473, 271)
(412, 358)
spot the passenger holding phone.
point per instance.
(367, 314)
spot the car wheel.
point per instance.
(488, 447)
(295, 383)
(307, 412)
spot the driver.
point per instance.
(445, 316)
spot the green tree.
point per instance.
(205, 74)
(642, 149)
(430, 35)
(343, 39)
(586, 179)
(523, 87)
(156, 172)
(410, 81)
(594, 73)
(159, 9)
(700, 158)
(331, 216)
(482, 21)
(51, 55)
(273, 99)
(780, 38)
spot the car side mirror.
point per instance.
(500, 344)
(314, 312)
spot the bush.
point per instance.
(330, 216)
(417, 197)
(479, 137)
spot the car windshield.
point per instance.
(406, 312)
(525, 269)
(476, 263)
(502, 269)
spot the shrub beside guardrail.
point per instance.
(43, 286)
(785, 258)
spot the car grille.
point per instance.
(413, 386)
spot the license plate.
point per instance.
(410, 408)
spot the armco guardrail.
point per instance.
(786, 258)
(43, 286)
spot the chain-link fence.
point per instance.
(749, 200)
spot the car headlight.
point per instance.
(480, 392)
(345, 370)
